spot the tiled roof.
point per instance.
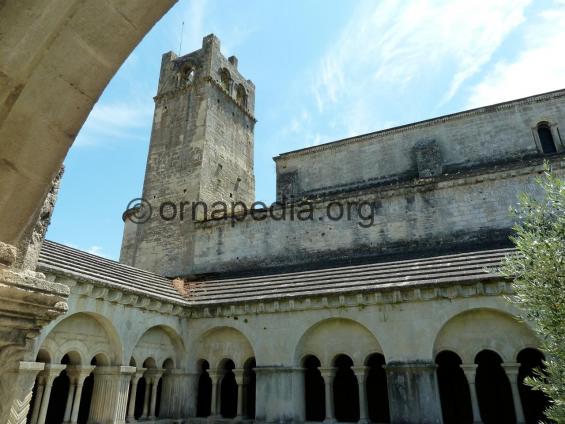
(460, 268)
(85, 266)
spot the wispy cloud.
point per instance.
(109, 122)
(539, 66)
(394, 48)
(193, 17)
(94, 249)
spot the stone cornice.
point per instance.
(389, 294)
(81, 286)
(423, 124)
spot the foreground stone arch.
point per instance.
(472, 331)
(328, 339)
(74, 49)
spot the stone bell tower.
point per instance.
(201, 150)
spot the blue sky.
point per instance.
(323, 70)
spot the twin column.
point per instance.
(512, 370)
(361, 373)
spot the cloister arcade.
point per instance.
(480, 379)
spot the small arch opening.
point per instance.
(546, 138)
(249, 384)
(43, 356)
(101, 359)
(204, 395)
(241, 95)
(377, 390)
(346, 390)
(71, 358)
(493, 389)
(168, 364)
(314, 389)
(228, 391)
(225, 79)
(453, 389)
(149, 363)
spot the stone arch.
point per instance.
(159, 343)
(337, 336)
(98, 36)
(43, 356)
(87, 334)
(225, 79)
(221, 343)
(474, 330)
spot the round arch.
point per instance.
(98, 337)
(161, 343)
(330, 338)
(474, 330)
(221, 343)
(99, 37)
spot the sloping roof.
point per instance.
(447, 269)
(458, 268)
(57, 257)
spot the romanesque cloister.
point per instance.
(143, 371)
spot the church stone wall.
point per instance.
(479, 137)
(440, 212)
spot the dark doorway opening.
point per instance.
(314, 390)
(346, 390)
(377, 391)
(453, 389)
(493, 390)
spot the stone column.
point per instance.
(361, 373)
(413, 392)
(133, 393)
(38, 397)
(328, 374)
(238, 372)
(178, 395)
(155, 375)
(512, 370)
(470, 371)
(21, 377)
(77, 375)
(146, 396)
(51, 372)
(110, 394)
(214, 407)
(69, 404)
(279, 394)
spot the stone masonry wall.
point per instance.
(479, 137)
(425, 214)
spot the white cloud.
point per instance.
(395, 47)
(96, 250)
(539, 67)
(111, 121)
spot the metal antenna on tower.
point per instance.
(181, 32)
